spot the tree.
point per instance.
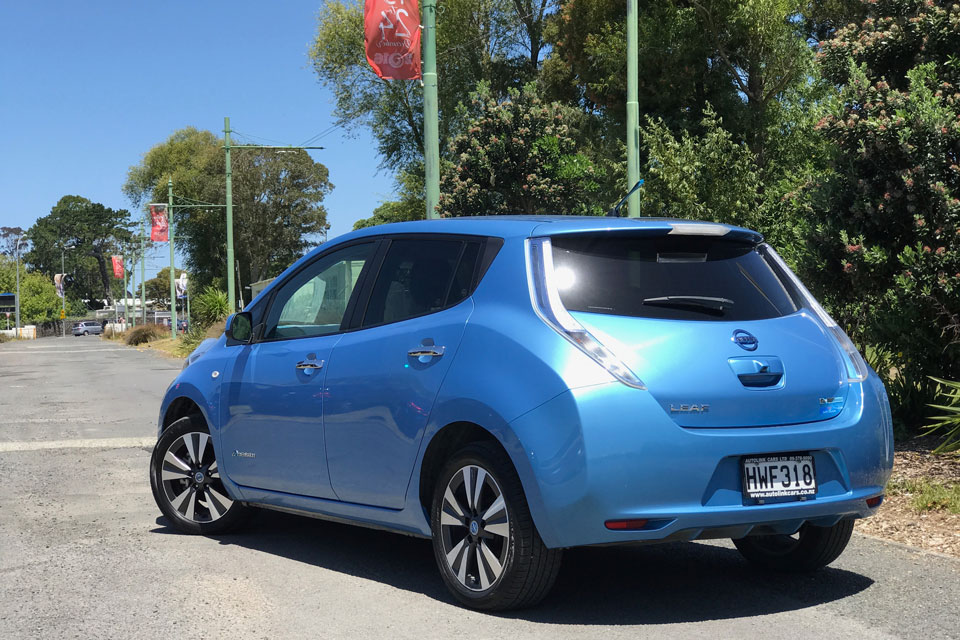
(498, 41)
(277, 195)
(519, 156)
(889, 243)
(158, 289)
(38, 298)
(8, 241)
(88, 233)
(410, 204)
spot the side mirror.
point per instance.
(239, 327)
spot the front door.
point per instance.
(273, 436)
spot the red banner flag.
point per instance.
(117, 266)
(392, 36)
(158, 222)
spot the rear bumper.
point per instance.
(609, 452)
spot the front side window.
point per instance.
(314, 302)
(419, 277)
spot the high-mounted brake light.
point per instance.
(546, 302)
(856, 366)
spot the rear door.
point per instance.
(383, 377)
(717, 336)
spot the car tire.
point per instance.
(486, 545)
(811, 548)
(186, 482)
(86, 333)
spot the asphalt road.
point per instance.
(84, 552)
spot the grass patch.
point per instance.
(928, 496)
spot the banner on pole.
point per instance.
(58, 283)
(392, 38)
(117, 266)
(158, 222)
(181, 283)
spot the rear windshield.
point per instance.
(670, 277)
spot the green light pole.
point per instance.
(227, 146)
(431, 135)
(173, 288)
(143, 273)
(231, 293)
(633, 111)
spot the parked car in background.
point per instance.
(510, 387)
(87, 327)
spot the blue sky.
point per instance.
(86, 88)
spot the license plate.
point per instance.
(779, 476)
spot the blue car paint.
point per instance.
(586, 447)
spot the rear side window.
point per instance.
(419, 277)
(670, 277)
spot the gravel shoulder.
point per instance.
(898, 519)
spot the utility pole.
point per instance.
(173, 287)
(431, 135)
(633, 111)
(133, 286)
(143, 277)
(126, 312)
(227, 146)
(63, 298)
(231, 287)
(19, 238)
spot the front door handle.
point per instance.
(310, 363)
(426, 351)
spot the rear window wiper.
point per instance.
(696, 302)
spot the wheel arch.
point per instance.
(446, 441)
(181, 407)
(457, 434)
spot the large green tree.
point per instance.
(520, 155)
(158, 288)
(39, 302)
(499, 41)
(889, 242)
(86, 234)
(277, 203)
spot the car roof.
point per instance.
(527, 226)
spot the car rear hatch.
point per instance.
(710, 324)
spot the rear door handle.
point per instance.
(431, 351)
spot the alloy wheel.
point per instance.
(190, 479)
(475, 528)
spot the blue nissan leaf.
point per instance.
(510, 387)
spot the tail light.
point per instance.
(856, 366)
(546, 302)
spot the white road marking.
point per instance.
(87, 443)
(53, 353)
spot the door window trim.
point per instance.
(354, 295)
(480, 261)
(360, 296)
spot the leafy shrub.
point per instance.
(889, 242)
(146, 333)
(211, 306)
(4, 338)
(949, 422)
(191, 339)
